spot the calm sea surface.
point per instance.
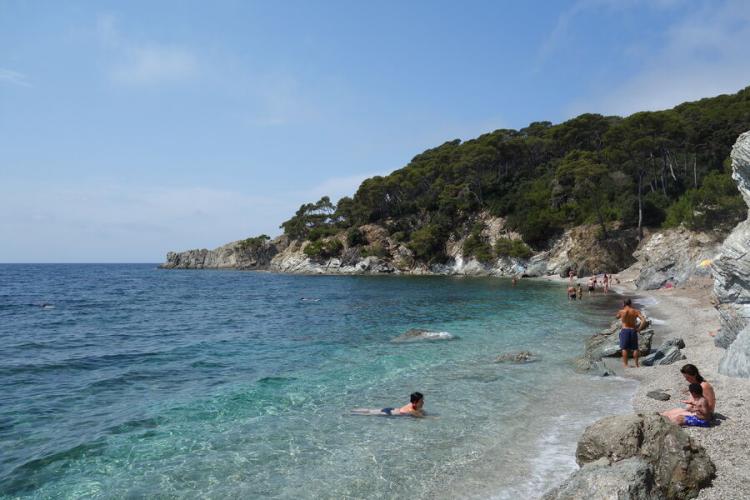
(128, 381)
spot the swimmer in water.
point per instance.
(413, 409)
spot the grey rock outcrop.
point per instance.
(666, 354)
(672, 257)
(631, 479)
(581, 250)
(662, 461)
(252, 253)
(731, 270)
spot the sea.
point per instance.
(127, 381)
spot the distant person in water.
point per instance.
(605, 283)
(693, 376)
(515, 280)
(571, 293)
(413, 409)
(579, 292)
(592, 284)
(630, 317)
(571, 275)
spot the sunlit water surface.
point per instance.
(129, 381)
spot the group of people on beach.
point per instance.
(699, 407)
(575, 289)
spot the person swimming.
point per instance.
(413, 409)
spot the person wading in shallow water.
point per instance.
(629, 317)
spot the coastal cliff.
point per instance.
(732, 277)
(377, 252)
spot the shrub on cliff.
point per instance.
(505, 247)
(254, 243)
(355, 237)
(475, 245)
(324, 249)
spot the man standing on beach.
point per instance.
(629, 317)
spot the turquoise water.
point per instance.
(128, 381)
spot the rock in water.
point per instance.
(420, 335)
(632, 479)
(659, 395)
(681, 467)
(516, 357)
(731, 270)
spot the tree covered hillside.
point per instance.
(652, 169)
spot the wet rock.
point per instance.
(421, 335)
(600, 369)
(516, 357)
(681, 467)
(659, 395)
(632, 479)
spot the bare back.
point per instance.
(628, 315)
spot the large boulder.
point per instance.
(731, 270)
(584, 251)
(673, 256)
(667, 353)
(631, 479)
(681, 467)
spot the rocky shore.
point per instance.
(704, 321)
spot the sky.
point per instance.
(129, 129)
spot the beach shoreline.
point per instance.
(688, 312)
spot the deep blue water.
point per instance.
(138, 382)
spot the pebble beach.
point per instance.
(688, 312)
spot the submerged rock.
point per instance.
(681, 467)
(421, 335)
(516, 357)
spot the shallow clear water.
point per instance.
(138, 382)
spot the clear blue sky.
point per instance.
(128, 129)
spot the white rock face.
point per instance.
(673, 256)
(732, 276)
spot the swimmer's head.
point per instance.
(696, 390)
(627, 302)
(416, 398)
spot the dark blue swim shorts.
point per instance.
(693, 421)
(388, 411)
(628, 339)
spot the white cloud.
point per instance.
(14, 77)
(154, 64)
(705, 54)
(127, 223)
(144, 63)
